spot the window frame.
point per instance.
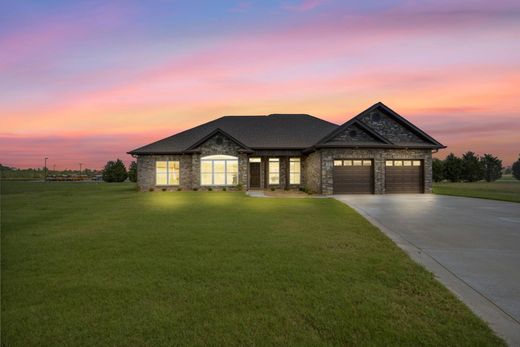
(295, 174)
(226, 159)
(403, 162)
(272, 174)
(167, 173)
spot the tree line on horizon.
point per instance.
(471, 168)
(9, 172)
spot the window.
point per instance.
(274, 171)
(167, 173)
(219, 170)
(255, 160)
(352, 162)
(294, 171)
(403, 163)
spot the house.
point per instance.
(377, 151)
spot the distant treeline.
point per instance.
(471, 168)
(7, 172)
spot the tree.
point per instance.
(114, 171)
(472, 169)
(452, 168)
(132, 172)
(437, 170)
(516, 169)
(492, 167)
(508, 170)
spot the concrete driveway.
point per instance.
(471, 245)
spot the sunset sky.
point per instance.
(88, 81)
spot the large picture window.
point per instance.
(274, 171)
(219, 170)
(167, 173)
(294, 171)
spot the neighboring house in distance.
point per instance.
(378, 151)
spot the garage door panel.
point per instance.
(353, 179)
(404, 179)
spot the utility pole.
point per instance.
(80, 164)
(45, 170)
(54, 168)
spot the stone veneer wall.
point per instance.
(146, 171)
(379, 156)
(220, 144)
(311, 171)
(189, 176)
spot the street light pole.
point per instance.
(45, 170)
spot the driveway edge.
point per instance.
(502, 323)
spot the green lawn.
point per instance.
(102, 265)
(507, 189)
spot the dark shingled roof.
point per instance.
(284, 131)
(287, 131)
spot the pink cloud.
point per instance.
(304, 5)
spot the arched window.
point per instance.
(219, 170)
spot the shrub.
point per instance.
(163, 189)
(179, 189)
(452, 168)
(224, 189)
(210, 189)
(239, 186)
(272, 189)
(132, 172)
(492, 167)
(115, 171)
(195, 189)
(516, 169)
(472, 169)
(437, 170)
(151, 190)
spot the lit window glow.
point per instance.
(255, 160)
(219, 170)
(274, 171)
(294, 171)
(167, 173)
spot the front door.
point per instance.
(254, 175)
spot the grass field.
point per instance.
(99, 264)
(507, 189)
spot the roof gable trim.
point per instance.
(358, 123)
(213, 133)
(403, 121)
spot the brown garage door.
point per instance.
(353, 177)
(404, 176)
